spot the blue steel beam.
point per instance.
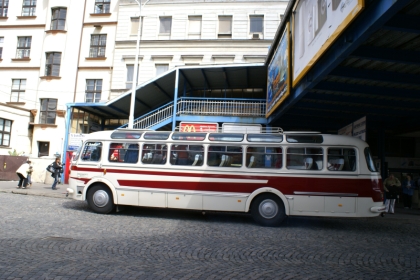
(375, 75)
(205, 79)
(118, 110)
(371, 19)
(404, 23)
(142, 102)
(343, 107)
(364, 100)
(162, 90)
(387, 55)
(186, 79)
(375, 91)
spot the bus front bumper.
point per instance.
(377, 209)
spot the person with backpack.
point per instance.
(392, 188)
(57, 170)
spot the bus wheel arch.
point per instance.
(100, 198)
(267, 190)
(268, 209)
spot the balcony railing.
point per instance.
(203, 107)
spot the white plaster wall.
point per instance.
(20, 138)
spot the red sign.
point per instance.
(198, 127)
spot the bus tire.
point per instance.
(268, 210)
(100, 199)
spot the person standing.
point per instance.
(22, 174)
(391, 187)
(57, 172)
(29, 174)
(408, 191)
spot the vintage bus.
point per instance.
(270, 174)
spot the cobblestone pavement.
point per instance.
(54, 238)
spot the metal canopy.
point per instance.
(192, 79)
(371, 70)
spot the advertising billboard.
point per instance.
(316, 25)
(198, 127)
(278, 84)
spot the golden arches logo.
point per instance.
(188, 128)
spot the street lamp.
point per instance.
(136, 65)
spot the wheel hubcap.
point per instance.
(268, 209)
(100, 198)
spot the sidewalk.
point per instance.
(38, 189)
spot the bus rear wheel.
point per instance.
(100, 199)
(268, 210)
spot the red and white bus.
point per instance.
(271, 175)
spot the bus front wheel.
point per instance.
(100, 199)
(268, 210)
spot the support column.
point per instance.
(175, 99)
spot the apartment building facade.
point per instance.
(61, 51)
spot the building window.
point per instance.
(52, 65)
(23, 47)
(28, 7)
(5, 130)
(256, 24)
(161, 68)
(97, 45)
(4, 6)
(165, 25)
(1, 46)
(135, 25)
(18, 90)
(130, 76)
(58, 19)
(102, 6)
(225, 27)
(93, 90)
(48, 111)
(194, 27)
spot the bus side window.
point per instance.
(191, 155)
(132, 154)
(225, 156)
(116, 152)
(341, 159)
(92, 151)
(305, 158)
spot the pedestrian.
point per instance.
(29, 174)
(408, 191)
(22, 174)
(391, 187)
(57, 172)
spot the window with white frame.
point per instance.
(23, 47)
(58, 18)
(102, 6)
(4, 7)
(1, 46)
(97, 45)
(165, 25)
(18, 90)
(48, 111)
(28, 7)
(52, 64)
(225, 27)
(256, 24)
(161, 68)
(5, 130)
(136, 23)
(194, 26)
(93, 90)
(130, 75)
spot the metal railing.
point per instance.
(202, 107)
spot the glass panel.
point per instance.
(134, 25)
(194, 25)
(189, 136)
(1, 124)
(369, 160)
(157, 135)
(92, 151)
(264, 157)
(126, 135)
(265, 138)
(304, 138)
(256, 23)
(227, 137)
(6, 139)
(225, 25)
(165, 25)
(8, 125)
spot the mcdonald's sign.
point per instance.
(198, 127)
